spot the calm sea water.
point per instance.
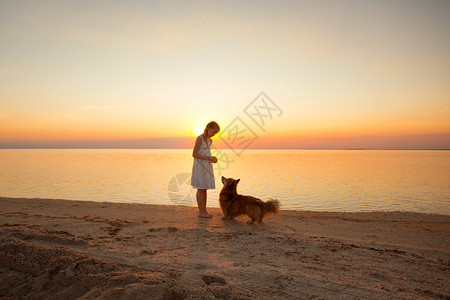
(326, 180)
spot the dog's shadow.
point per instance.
(241, 223)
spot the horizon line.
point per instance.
(366, 142)
(268, 148)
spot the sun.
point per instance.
(197, 130)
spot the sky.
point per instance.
(151, 74)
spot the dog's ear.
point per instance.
(223, 180)
(237, 181)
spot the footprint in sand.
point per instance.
(213, 280)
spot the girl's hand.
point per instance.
(213, 159)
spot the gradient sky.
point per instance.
(132, 74)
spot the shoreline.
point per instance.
(71, 249)
(218, 207)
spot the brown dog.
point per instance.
(233, 205)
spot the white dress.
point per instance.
(202, 170)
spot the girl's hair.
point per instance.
(211, 125)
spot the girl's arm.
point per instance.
(195, 154)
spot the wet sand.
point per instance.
(58, 249)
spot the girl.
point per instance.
(202, 170)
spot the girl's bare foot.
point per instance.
(205, 215)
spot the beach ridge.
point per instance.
(79, 249)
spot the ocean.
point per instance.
(317, 180)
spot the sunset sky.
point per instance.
(148, 74)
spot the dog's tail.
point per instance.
(271, 206)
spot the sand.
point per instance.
(58, 249)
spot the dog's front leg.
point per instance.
(225, 215)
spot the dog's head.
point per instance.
(229, 184)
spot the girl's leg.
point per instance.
(201, 202)
(204, 204)
(204, 200)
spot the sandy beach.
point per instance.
(58, 249)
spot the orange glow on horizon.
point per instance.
(285, 132)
